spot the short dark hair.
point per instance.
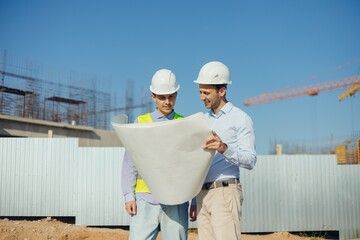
(218, 86)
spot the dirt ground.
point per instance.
(49, 228)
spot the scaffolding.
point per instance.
(30, 90)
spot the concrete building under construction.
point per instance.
(24, 93)
(41, 99)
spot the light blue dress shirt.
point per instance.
(235, 128)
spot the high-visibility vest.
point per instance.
(140, 183)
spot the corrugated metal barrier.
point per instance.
(56, 177)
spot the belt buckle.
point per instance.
(225, 183)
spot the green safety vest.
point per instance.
(140, 183)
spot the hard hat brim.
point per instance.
(207, 83)
(166, 92)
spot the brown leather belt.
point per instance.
(220, 183)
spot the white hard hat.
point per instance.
(214, 73)
(164, 82)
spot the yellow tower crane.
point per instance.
(350, 92)
(342, 152)
(310, 90)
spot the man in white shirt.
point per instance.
(218, 208)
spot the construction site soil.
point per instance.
(50, 228)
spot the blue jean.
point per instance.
(172, 220)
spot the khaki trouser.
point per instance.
(219, 213)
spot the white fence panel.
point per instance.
(56, 177)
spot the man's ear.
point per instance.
(222, 91)
(153, 97)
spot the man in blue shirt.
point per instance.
(218, 205)
(148, 217)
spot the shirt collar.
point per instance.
(224, 110)
(158, 115)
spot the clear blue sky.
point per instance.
(268, 45)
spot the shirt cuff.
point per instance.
(229, 152)
(129, 197)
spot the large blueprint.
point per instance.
(169, 155)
